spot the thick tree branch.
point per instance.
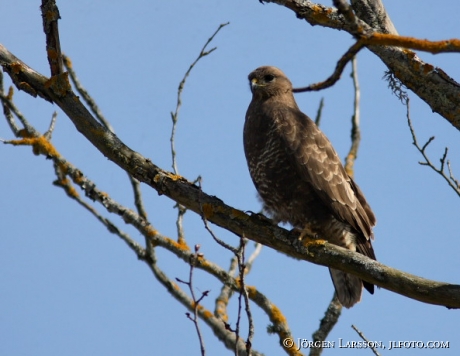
(50, 16)
(253, 227)
(327, 323)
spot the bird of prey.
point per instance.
(300, 177)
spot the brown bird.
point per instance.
(300, 177)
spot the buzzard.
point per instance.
(300, 177)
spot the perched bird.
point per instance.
(300, 177)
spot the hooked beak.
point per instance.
(254, 84)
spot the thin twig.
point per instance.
(238, 318)
(206, 225)
(181, 210)
(65, 183)
(253, 256)
(244, 293)
(448, 177)
(226, 292)
(346, 10)
(369, 344)
(6, 109)
(88, 99)
(85, 95)
(196, 302)
(355, 131)
(50, 130)
(175, 114)
(347, 57)
(319, 113)
(7, 100)
(138, 201)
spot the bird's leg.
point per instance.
(307, 232)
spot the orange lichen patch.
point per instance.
(106, 195)
(27, 88)
(238, 214)
(197, 306)
(208, 210)
(179, 246)
(276, 316)
(64, 169)
(16, 67)
(427, 68)
(201, 260)
(98, 131)
(46, 147)
(157, 178)
(417, 66)
(52, 53)
(183, 245)
(321, 14)
(151, 232)
(24, 133)
(252, 291)
(40, 145)
(238, 282)
(51, 15)
(207, 314)
(221, 310)
(59, 84)
(67, 62)
(10, 93)
(71, 191)
(410, 54)
(173, 177)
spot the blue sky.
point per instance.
(69, 287)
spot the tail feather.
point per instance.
(347, 286)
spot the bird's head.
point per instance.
(269, 81)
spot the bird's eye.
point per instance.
(268, 78)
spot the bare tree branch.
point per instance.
(448, 176)
(175, 114)
(319, 112)
(98, 114)
(50, 16)
(6, 99)
(343, 61)
(370, 344)
(85, 95)
(244, 293)
(196, 302)
(355, 131)
(181, 210)
(327, 323)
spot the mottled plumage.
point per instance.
(300, 177)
